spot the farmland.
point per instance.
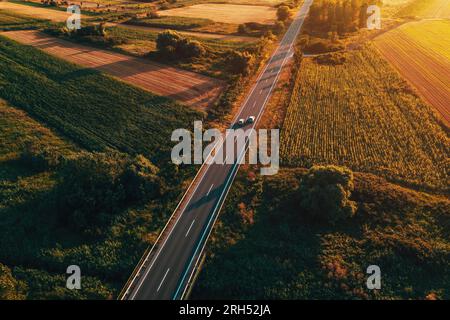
(189, 88)
(227, 13)
(361, 114)
(428, 69)
(58, 93)
(425, 9)
(35, 12)
(54, 106)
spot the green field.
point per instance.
(361, 114)
(13, 21)
(53, 105)
(88, 107)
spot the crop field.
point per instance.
(426, 9)
(420, 51)
(227, 13)
(92, 109)
(12, 21)
(245, 2)
(187, 87)
(35, 12)
(361, 114)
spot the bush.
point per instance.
(325, 192)
(93, 30)
(172, 45)
(334, 59)
(39, 158)
(283, 13)
(318, 45)
(153, 14)
(278, 27)
(96, 186)
(239, 62)
(10, 288)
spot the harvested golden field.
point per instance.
(420, 51)
(228, 13)
(426, 9)
(35, 12)
(363, 115)
(187, 87)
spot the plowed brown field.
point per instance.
(187, 87)
(421, 61)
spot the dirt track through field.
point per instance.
(187, 87)
(425, 69)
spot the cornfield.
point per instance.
(361, 114)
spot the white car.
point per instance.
(251, 119)
(240, 122)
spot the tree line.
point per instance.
(340, 16)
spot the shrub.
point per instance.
(242, 29)
(278, 27)
(96, 186)
(10, 288)
(283, 13)
(318, 45)
(153, 14)
(38, 157)
(172, 45)
(334, 59)
(239, 62)
(325, 192)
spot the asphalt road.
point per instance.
(166, 275)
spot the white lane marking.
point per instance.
(239, 113)
(210, 189)
(254, 104)
(305, 5)
(163, 280)
(190, 228)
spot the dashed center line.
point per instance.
(210, 188)
(163, 280)
(190, 228)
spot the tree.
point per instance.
(167, 41)
(10, 288)
(325, 192)
(172, 45)
(141, 180)
(283, 13)
(95, 187)
(239, 62)
(278, 27)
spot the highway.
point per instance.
(165, 273)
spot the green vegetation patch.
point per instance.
(13, 21)
(92, 109)
(267, 245)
